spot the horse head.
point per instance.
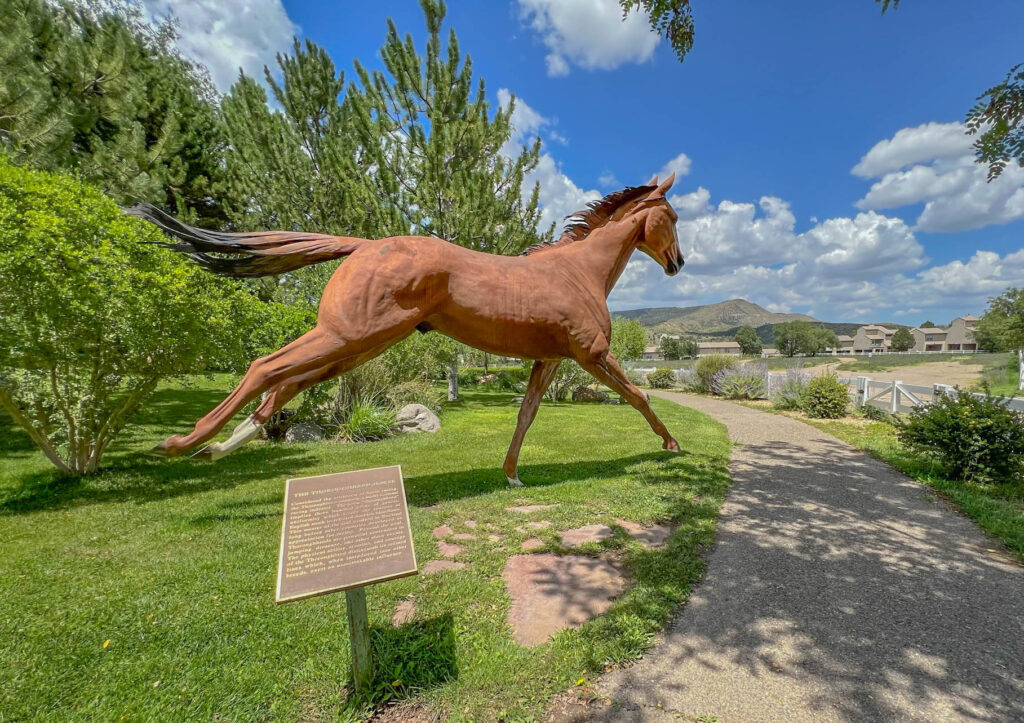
(658, 237)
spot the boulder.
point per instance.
(417, 418)
(487, 379)
(304, 432)
(586, 394)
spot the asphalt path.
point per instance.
(837, 590)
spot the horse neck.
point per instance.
(603, 255)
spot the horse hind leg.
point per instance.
(540, 379)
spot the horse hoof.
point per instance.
(671, 445)
(514, 481)
(210, 452)
(158, 451)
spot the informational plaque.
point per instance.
(343, 531)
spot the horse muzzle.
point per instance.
(672, 266)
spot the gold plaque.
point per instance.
(342, 531)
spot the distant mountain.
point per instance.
(721, 319)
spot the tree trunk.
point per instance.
(485, 363)
(1020, 369)
(453, 381)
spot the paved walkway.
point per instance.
(838, 590)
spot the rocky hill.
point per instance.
(710, 319)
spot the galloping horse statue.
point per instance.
(548, 304)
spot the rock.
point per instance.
(417, 418)
(304, 432)
(441, 532)
(403, 613)
(447, 549)
(463, 536)
(517, 400)
(471, 524)
(542, 524)
(534, 543)
(653, 536)
(435, 566)
(527, 509)
(487, 379)
(495, 538)
(553, 592)
(586, 394)
(587, 533)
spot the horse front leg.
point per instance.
(608, 371)
(540, 379)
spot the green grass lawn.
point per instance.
(888, 362)
(174, 563)
(998, 509)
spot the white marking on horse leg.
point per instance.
(514, 481)
(242, 434)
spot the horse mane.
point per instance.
(597, 213)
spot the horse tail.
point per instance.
(246, 255)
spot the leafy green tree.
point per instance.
(749, 341)
(671, 348)
(95, 315)
(1001, 327)
(902, 340)
(688, 347)
(93, 88)
(629, 339)
(789, 336)
(927, 325)
(818, 339)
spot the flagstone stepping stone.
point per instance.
(587, 533)
(534, 543)
(541, 525)
(442, 531)
(463, 536)
(527, 509)
(471, 524)
(553, 592)
(448, 549)
(495, 538)
(439, 565)
(403, 613)
(653, 536)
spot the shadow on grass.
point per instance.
(411, 658)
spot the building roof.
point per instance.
(931, 330)
(844, 337)
(969, 317)
(719, 345)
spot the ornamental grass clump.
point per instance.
(788, 394)
(686, 378)
(708, 366)
(826, 397)
(741, 382)
(973, 438)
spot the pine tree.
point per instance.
(103, 93)
(437, 149)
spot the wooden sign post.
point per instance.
(343, 532)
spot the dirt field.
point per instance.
(953, 373)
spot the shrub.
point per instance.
(637, 378)
(418, 391)
(686, 378)
(568, 376)
(93, 315)
(825, 397)
(707, 367)
(975, 439)
(789, 393)
(663, 378)
(741, 382)
(368, 422)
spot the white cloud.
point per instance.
(934, 164)
(590, 34)
(608, 180)
(225, 35)
(680, 165)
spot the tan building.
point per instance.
(871, 339)
(845, 343)
(718, 347)
(958, 336)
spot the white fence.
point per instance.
(895, 397)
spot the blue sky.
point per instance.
(822, 169)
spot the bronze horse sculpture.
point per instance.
(548, 304)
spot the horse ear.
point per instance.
(665, 185)
(653, 181)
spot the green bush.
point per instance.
(663, 378)
(368, 422)
(418, 391)
(707, 367)
(789, 395)
(93, 315)
(975, 439)
(825, 397)
(637, 378)
(741, 382)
